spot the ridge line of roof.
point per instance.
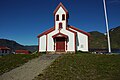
(79, 30)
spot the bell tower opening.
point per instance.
(63, 16)
(57, 17)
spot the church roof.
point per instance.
(68, 28)
(60, 5)
(74, 28)
(46, 32)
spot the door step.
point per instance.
(56, 52)
(60, 53)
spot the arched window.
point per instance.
(63, 16)
(60, 25)
(57, 17)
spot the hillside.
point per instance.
(11, 44)
(31, 48)
(16, 46)
(115, 37)
(99, 40)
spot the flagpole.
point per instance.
(106, 19)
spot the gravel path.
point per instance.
(30, 69)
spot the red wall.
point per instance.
(22, 52)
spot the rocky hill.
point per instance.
(99, 40)
(31, 48)
(11, 44)
(16, 46)
(115, 37)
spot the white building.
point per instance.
(62, 37)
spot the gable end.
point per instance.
(60, 5)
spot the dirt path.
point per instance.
(30, 69)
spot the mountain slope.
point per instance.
(31, 48)
(11, 44)
(16, 46)
(99, 40)
(115, 37)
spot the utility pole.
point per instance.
(106, 19)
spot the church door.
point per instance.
(60, 44)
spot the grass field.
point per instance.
(83, 66)
(9, 62)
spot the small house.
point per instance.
(4, 50)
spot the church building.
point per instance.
(62, 37)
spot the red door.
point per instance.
(60, 44)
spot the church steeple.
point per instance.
(61, 16)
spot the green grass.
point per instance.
(12, 61)
(83, 67)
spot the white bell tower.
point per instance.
(60, 17)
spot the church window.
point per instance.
(63, 16)
(57, 17)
